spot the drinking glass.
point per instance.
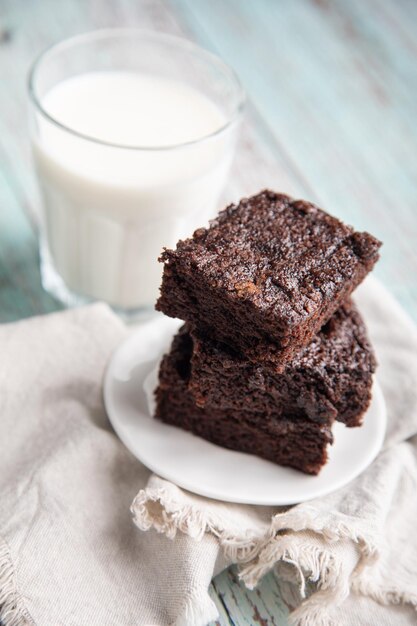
(108, 209)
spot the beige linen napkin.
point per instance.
(70, 554)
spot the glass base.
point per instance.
(53, 284)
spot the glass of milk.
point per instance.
(133, 134)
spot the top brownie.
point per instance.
(266, 275)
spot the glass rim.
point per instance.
(104, 33)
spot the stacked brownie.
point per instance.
(273, 350)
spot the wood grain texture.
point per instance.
(332, 118)
(260, 607)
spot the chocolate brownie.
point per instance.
(298, 443)
(329, 379)
(266, 275)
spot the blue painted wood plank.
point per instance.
(21, 294)
(260, 607)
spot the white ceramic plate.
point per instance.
(207, 469)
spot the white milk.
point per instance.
(110, 210)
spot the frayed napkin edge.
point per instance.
(12, 608)
(158, 509)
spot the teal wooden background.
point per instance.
(332, 117)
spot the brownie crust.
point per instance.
(297, 443)
(266, 275)
(329, 379)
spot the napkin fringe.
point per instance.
(155, 508)
(311, 563)
(258, 554)
(198, 610)
(12, 609)
(332, 527)
(301, 561)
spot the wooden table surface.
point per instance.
(332, 118)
